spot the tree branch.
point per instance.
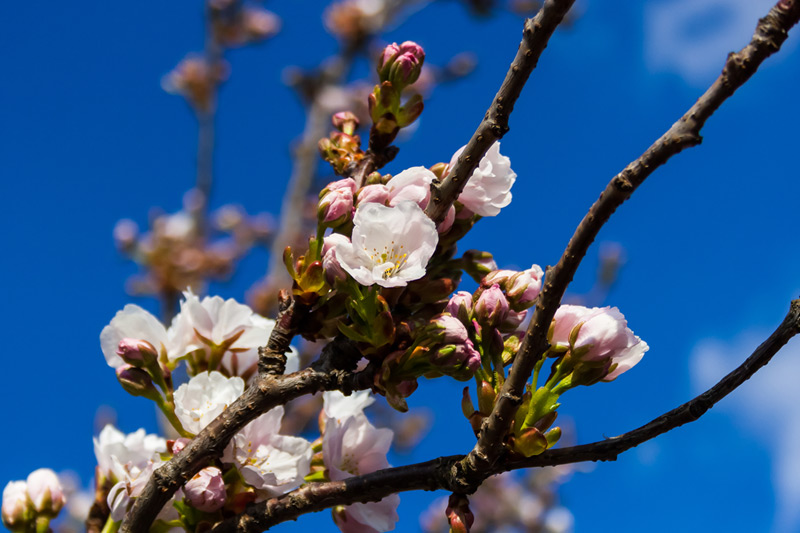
(770, 33)
(535, 35)
(442, 473)
(333, 371)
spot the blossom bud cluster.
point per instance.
(27, 503)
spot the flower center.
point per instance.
(392, 254)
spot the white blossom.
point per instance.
(338, 406)
(413, 184)
(122, 494)
(215, 322)
(489, 188)
(352, 446)
(205, 396)
(133, 322)
(270, 462)
(116, 452)
(390, 246)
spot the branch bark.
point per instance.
(441, 473)
(770, 33)
(535, 36)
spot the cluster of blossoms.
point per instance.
(379, 275)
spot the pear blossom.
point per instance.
(206, 490)
(218, 324)
(134, 323)
(270, 462)
(45, 491)
(352, 446)
(489, 188)
(205, 396)
(116, 452)
(16, 507)
(390, 245)
(598, 335)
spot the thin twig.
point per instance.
(770, 33)
(535, 35)
(442, 473)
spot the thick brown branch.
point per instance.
(333, 371)
(535, 35)
(443, 473)
(770, 33)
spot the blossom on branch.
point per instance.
(597, 336)
(205, 396)
(489, 188)
(114, 450)
(271, 463)
(352, 446)
(390, 246)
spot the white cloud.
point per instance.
(691, 38)
(769, 405)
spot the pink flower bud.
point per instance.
(523, 287)
(597, 335)
(491, 309)
(451, 329)
(458, 513)
(401, 65)
(477, 264)
(45, 492)
(460, 305)
(377, 194)
(16, 505)
(336, 202)
(206, 490)
(137, 352)
(136, 382)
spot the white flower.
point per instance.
(390, 245)
(116, 452)
(489, 188)
(133, 322)
(339, 406)
(352, 446)
(205, 396)
(121, 495)
(268, 461)
(227, 323)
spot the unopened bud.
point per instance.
(377, 194)
(206, 490)
(336, 202)
(460, 306)
(401, 64)
(477, 264)
(459, 514)
(137, 382)
(45, 492)
(17, 509)
(492, 307)
(137, 352)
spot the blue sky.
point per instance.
(87, 136)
